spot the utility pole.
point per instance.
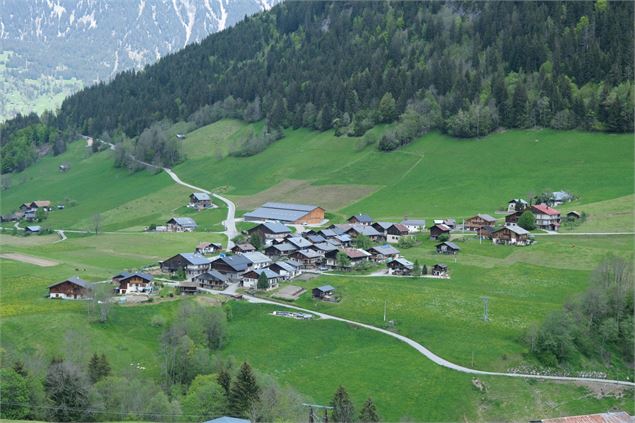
(385, 305)
(485, 308)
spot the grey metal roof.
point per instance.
(385, 249)
(384, 225)
(486, 217)
(276, 227)
(326, 288)
(76, 280)
(328, 233)
(264, 213)
(561, 195)
(286, 266)
(299, 242)
(212, 275)
(146, 276)
(34, 228)
(201, 196)
(325, 246)
(256, 257)
(413, 222)
(405, 263)
(187, 222)
(366, 230)
(361, 217)
(285, 247)
(344, 238)
(293, 263)
(451, 245)
(237, 262)
(290, 206)
(195, 259)
(309, 253)
(316, 239)
(268, 272)
(515, 229)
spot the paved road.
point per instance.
(230, 222)
(435, 358)
(583, 233)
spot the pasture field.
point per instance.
(434, 176)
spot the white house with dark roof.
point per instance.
(414, 225)
(250, 278)
(258, 260)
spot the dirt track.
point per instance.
(29, 259)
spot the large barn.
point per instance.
(298, 214)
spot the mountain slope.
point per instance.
(92, 40)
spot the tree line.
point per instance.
(597, 324)
(467, 68)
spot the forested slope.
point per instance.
(464, 67)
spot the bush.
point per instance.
(443, 237)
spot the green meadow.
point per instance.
(436, 176)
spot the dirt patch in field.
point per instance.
(6, 239)
(331, 197)
(29, 259)
(602, 390)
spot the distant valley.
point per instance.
(53, 48)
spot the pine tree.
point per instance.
(369, 412)
(224, 380)
(244, 392)
(343, 410)
(424, 271)
(104, 366)
(263, 281)
(93, 368)
(19, 368)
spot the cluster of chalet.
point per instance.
(28, 211)
(285, 255)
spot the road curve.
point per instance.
(435, 358)
(229, 222)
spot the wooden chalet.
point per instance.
(356, 255)
(208, 248)
(191, 264)
(400, 266)
(233, 267)
(180, 224)
(395, 232)
(243, 248)
(440, 269)
(439, 229)
(288, 269)
(511, 234)
(383, 252)
(270, 230)
(308, 258)
(280, 250)
(212, 279)
(70, 289)
(360, 219)
(187, 288)
(574, 215)
(513, 217)
(448, 247)
(324, 292)
(474, 223)
(126, 283)
(200, 200)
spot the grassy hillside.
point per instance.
(435, 176)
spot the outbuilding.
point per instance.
(448, 247)
(323, 292)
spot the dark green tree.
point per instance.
(14, 395)
(369, 412)
(66, 387)
(263, 281)
(245, 391)
(224, 380)
(527, 221)
(343, 410)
